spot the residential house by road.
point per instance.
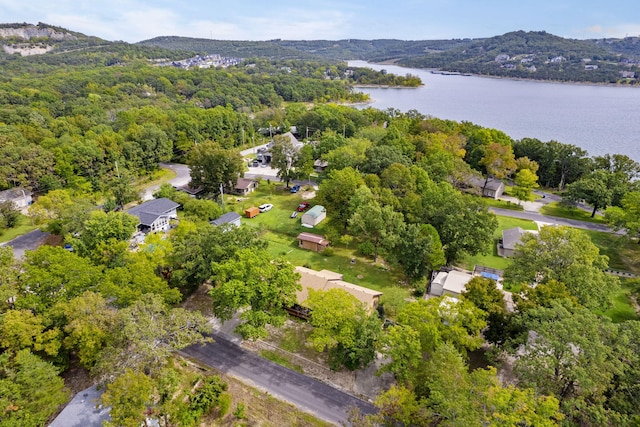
(155, 215)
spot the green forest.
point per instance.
(85, 128)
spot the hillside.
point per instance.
(535, 55)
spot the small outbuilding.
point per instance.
(510, 238)
(450, 283)
(230, 218)
(314, 216)
(251, 212)
(313, 242)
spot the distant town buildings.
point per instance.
(202, 61)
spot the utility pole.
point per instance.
(222, 194)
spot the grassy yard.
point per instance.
(624, 254)
(159, 176)
(24, 226)
(503, 204)
(492, 259)
(557, 210)
(623, 308)
(281, 231)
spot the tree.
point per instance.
(146, 334)
(196, 248)
(52, 274)
(213, 166)
(463, 222)
(418, 250)
(100, 230)
(525, 181)
(343, 327)
(254, 282)
(21, 329)
(129, 397)
(61, 210)
(570, 356)
(88, 323)
(373, 223)
(9, 214)
(335, 194)
(593, 189)
(30, 389)
(567, 255)
(284, 158)
(498, 160)
(628, 216)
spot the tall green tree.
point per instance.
(594, 189)
(418, 250)
(626, 217)
(30, 389)
(129, 397)
(343, 327)
(285, 158)
(335, 194)
(567, 255)
(253, 281)
(213, 166)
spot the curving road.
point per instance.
(310, 395)
(535, 216)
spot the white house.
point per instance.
(155, 215)
(449, 283)
(20, 197)
(314, 216)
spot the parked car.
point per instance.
(293, 214)
(256, 163)
(302, 207)
(265, 207)
(295, 188)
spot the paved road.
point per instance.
(535, 216)
(30, 241)
(183, 176)
(322, 400)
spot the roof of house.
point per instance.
(150, 211)
(244, 183)
(321, 163)
(316, 211)
(297, 144)
(453, 281)
(313, 238)
(325, 280)
(189, 190)
(83, 411)
(226, 218)
(492, 184)
(512, 236)
(14, 194)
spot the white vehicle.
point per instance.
(265, 207)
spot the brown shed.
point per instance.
(251, 212)
(313, 242)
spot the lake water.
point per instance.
(599, 119)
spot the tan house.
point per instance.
(313, 242)
(245, 186)
(325, 280)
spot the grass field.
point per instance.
(623, 308)
(624, 254)
(557, 210)
(492, 259)
(277, 228)
(24, 226)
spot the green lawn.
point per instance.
(492, 259)
(503, 204)
(277, 228)
(556, 209)
(622, 308)
(24, 226)
(624, 254)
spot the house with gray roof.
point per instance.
(20, 197)
(231, 218)
(155, 215)
(510, 238)
(84, 410)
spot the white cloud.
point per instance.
(615, 31)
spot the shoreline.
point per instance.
(457, 73)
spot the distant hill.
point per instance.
(534, 55)
(340, 50)
(539, 55)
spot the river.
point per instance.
(599, 119)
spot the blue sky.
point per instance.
(136, 20)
